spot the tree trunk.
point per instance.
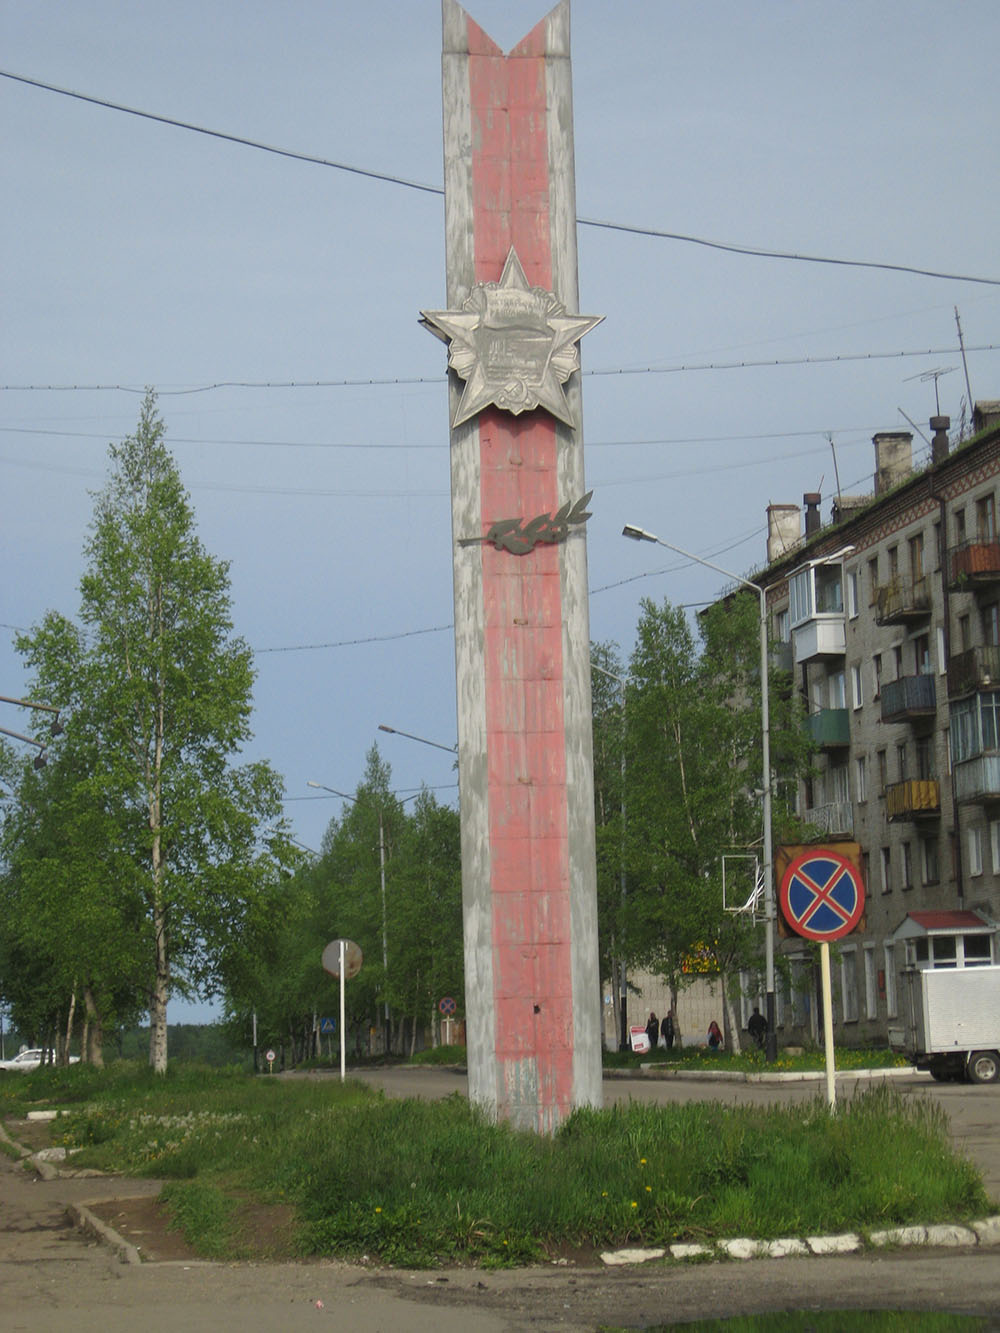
(94, 1030)
(732, 1024)
(161, 990)
(64, 1052)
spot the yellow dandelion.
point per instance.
(378, 1210)
(649, 1189)
(642, 1161)
(634, 1204)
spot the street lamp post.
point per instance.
(641, 535)
(395, 731)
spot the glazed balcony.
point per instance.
(975, 669)
(909, 698)
(978, 780)
(974, 564)
(829, 728)
(917, 798)
(835, 817)
(902, 601)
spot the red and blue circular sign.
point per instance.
(447, 1006)
(822, 895)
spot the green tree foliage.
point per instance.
(144, 832)
(692, 772)
(338, 894)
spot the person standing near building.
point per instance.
(667, 1030)
(757, 1027)
(653, 1031)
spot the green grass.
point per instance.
(828, 1321)
(417, 1183)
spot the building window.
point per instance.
(959, 526)
(861, 776)
(836, 691)
(986, 518)
(942, 658)
(976, 950)
(897, 660)
(930, 859)
(995, 845)
(945, 950)
(907, 867)
(975, 725)
(924, 753)
(877, 674)
(975, 843)
(849, 985)
(852, 594)
(888, 955)
(856, 692)
(781, 626)
(991, 624)
(883, 771)
(917, 557)
(886, 869)
(902, 764)
(893, 554)
(964, 635)
(873, 581)
(871, 988)
(938, 546)
(922, 655)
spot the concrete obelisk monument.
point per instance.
(519, 510)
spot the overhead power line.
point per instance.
(656, 233)
(844, 357)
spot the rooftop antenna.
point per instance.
(965, 364)
(836, 469)
(934, 375)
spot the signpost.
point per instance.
(343, 959)
(822, 896)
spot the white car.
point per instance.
(27, 1060)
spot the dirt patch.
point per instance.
(31, 1134)
(264, 1231)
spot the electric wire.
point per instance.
(389, 178)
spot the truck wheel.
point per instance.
(984, 1067)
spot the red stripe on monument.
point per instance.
(526, 757)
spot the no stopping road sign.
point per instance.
(822, 895)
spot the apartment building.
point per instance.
(888, 618)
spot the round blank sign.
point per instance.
(353, 958)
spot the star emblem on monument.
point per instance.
(513, 344)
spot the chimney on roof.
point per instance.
(939, 444)
(985, 415)
(784, 530)
(811, 500)
(893, 458)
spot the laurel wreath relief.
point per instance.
(519, 536)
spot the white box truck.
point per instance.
(952, 1018)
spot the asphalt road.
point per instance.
(52, 1278)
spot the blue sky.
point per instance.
(137, 253)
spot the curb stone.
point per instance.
(86, 1221)
(982, 1233)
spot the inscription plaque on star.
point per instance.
(514, 346)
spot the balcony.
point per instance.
(975, 669)
(978, 779)
(974, 564)
(829, 728)
(908, 698)
(823, 636)
(918, 798)
(901, 601)
(836, 817)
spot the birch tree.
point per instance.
(163, 699)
